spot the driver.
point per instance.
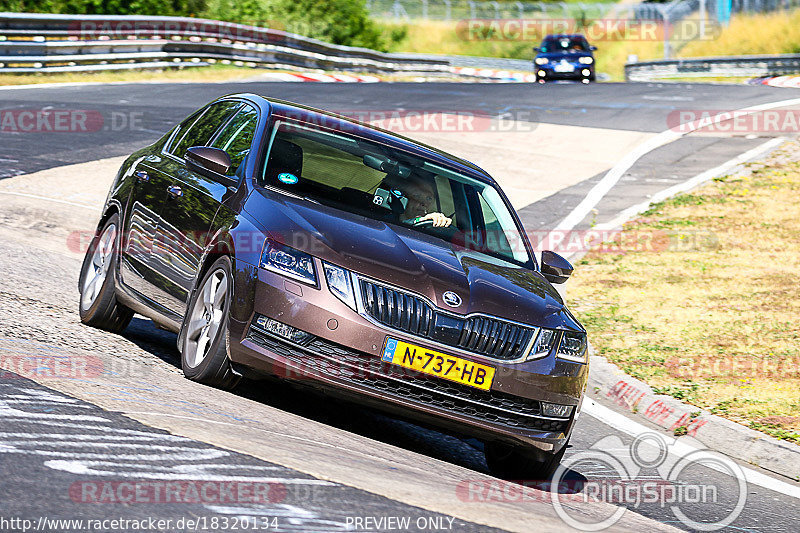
(422, 202)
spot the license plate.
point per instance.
(438, 364)
(564, 67)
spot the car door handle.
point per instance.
(174, 191)
(142, 176)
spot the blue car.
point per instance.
(564, 57)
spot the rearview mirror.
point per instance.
(210, 162)
(387, 165)
(555, 268)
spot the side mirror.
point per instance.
(592, 48)
(210, 162)
(555, 268)
(537, 49)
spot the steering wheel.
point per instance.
(422, 223)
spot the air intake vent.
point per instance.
(412, 314)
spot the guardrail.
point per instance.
(46, 43)
(464, 9)
(713, 67)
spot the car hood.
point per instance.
(412, 260)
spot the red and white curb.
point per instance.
(495, 75)
(609, 383)
(792, 82)
(324, 78)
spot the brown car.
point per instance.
(278, 239)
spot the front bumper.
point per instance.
(344, 358)
(581, 72)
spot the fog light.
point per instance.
(280, 329)
(586, 72)
(541, 73)
(556, 410)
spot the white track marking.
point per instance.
(689, 184)
(190, 454)
(84, 468)
(622, 423)
(47, 198)
(583, 209)
(40, 437)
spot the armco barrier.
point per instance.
(43, 42)
(707, 67)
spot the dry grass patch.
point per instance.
(710, 315)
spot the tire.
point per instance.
(516, 463)
(98, 305)
(205, 340)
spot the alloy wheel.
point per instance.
(206, 318)
(98, 267)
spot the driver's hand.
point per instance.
(439, 220)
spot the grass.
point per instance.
(709, 314)
(447, 37)
(774, 33)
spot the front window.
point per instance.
(237, 136)
(200, 131)
(564, 44)
(382, 183)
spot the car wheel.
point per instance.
(516, 463)
(98, 305)
(205, 337)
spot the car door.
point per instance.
(136, 268)
(193, 200)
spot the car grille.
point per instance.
(368, 371)
(482, 335)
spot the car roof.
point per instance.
(567, 35)
(283, 108)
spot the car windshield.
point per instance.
(382, 183)
(564, 44)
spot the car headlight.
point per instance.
(289, 262)
(544, 343)
(573, 347)
(586, 60)
(541, 60)
(340, 284)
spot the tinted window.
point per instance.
(374, 180)
(237, 136)
(565, 44)
(201, 131)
